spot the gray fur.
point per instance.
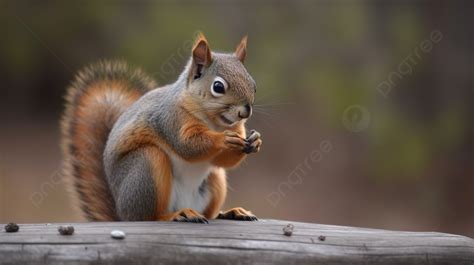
(133, 188)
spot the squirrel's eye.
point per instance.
(218, 87)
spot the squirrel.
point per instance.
(134, 151)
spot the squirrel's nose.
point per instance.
(245, 111)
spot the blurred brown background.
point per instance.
(366, 107)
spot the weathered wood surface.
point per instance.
(230, 242)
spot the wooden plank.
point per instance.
(230, 242)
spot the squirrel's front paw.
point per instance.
(253, 142)
(234, 141)
(188, 215)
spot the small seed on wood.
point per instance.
(117, 234)
(288, 229)
(12, 228)
(322, 238)
(66, 230)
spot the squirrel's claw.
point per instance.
(253, 148)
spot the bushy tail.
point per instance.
(94, 101)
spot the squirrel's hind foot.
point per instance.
(237, 213)
(186, 215)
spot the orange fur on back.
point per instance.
(94, 102)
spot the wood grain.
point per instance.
(230, 242)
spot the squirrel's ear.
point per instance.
(241, 50)
(201, 51)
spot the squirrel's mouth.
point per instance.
(226, 121)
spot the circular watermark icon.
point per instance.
(356, 118)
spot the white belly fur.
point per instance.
(187, 178)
